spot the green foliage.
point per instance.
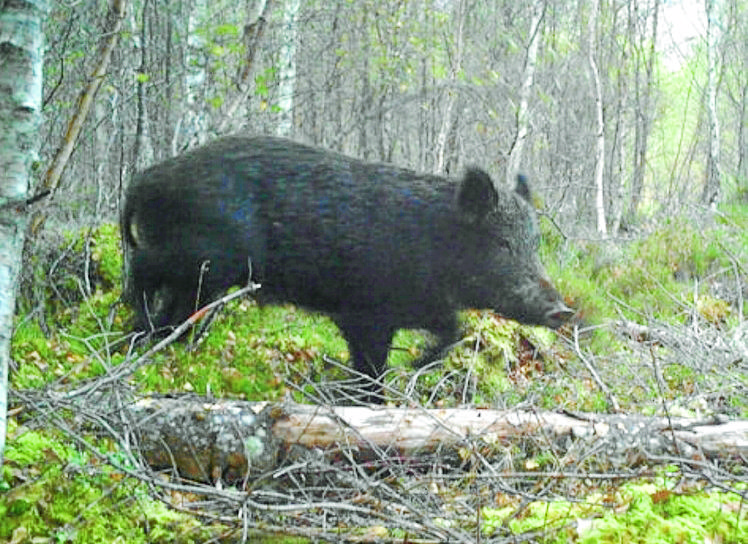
(247, 354)
(640, 512)
(675, 127)
(216, 101)
(78, 346)
(678, 274)
(227, 30)
(263, 81)
(106, 252)
(51, 492)
(497, 358)
(653, 275)
(656, 514)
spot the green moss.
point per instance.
(249, 352)
(657, 515)
(639, 512)
(53, 492)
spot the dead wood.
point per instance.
(210, 440)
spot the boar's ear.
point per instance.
(523, 188)
(477, 194)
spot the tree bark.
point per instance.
(209, 440)
(712, 185)
(602, 228)
(191, 126)
(287, 72)
(642, 111)
(742, 139)
(253, 31)
(142, 153)
(523, 110)
(442, 139)
(22, 60)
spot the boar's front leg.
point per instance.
(444, 327)
(369, 338)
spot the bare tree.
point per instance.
(712, 185)
(600, 136)
(442, 139)
(523, 109)
(110, 37)
(645, 55)
(142, 149)
(22, 51)
(254, 27)
(287, 78)
(194, 123)
(739, 31)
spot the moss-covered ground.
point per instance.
(679, 276)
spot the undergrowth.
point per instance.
(70, 328)
(651, 512)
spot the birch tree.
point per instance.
(523, 115)
(643, 105)
(193, 122)
(21, 47)
(739, 62)
(455, 68)
(287, 68)
(712, 185)
(600, 131)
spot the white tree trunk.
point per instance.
(143, 149)
(192, 125)
(455, 68)
(602, 228)
(523, 110)
(287, 69)
(22, 44)
(712, 186)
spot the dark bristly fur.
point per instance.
(376, 247)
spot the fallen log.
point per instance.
(210, 440)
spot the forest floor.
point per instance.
(661, 330)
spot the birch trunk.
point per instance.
(192, 125)
(712, 186)
(523, 110)
(602, 228)
(22, 45)
(287, 82)
(442, 139)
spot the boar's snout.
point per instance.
(557, 315)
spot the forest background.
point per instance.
(629, 117)
(578, 95)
